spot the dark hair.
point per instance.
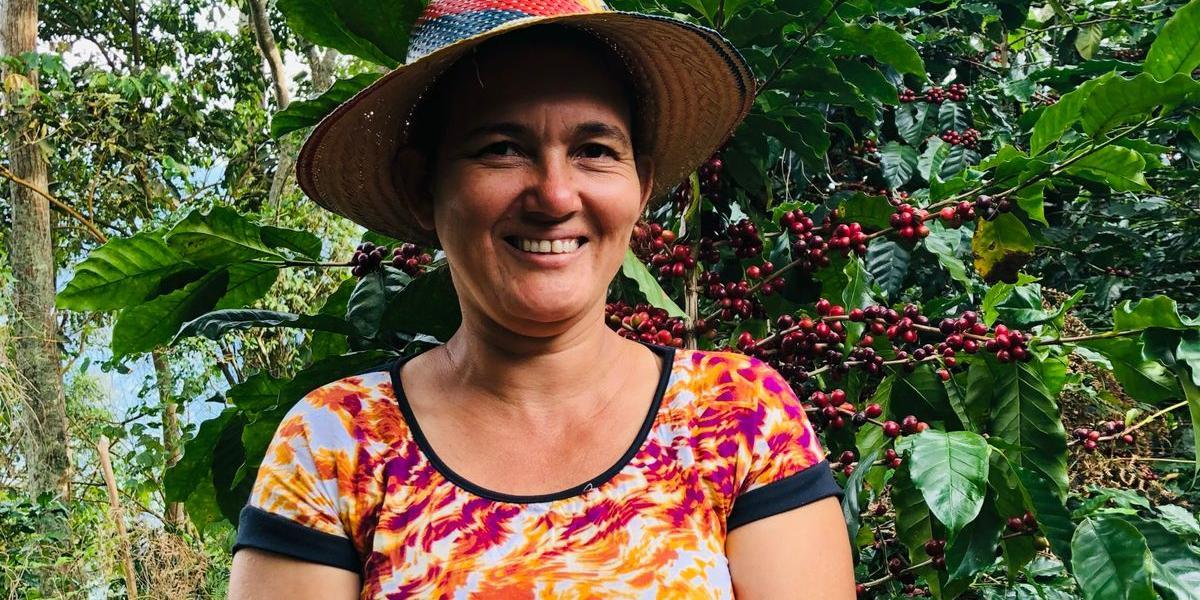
(430, 113)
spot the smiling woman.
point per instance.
(537, 454)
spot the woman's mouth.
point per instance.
(553, 246)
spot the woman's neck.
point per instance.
(571, 374)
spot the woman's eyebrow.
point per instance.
(516, 130)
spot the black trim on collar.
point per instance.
(667, 353)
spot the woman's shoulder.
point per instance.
(730, 383)
(347, 410)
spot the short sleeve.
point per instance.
(787, 466)
(297, 506)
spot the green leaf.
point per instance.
(899, 163)
(1159, 311)
(856, 293)
(1177, 47)
(373, 294)
(1023, 413)
(980, 392)
(951, 471)
(1118, 100)
(954, 116)
(1176, 564)
(1191, 393)
(428, 305)
(868, 80)
(872, 212)
(182, 478)
(374, 31)
(219, 322)
(1121, 168)
(1002, 246)
(942, 243)
(306, 113)
(258, 393)
(247, 282)
(1011, 500)
(655, 295)
(302, 242)
(910, 122)
(888, 261)
(1087, 40)
(913, 525)
(221, 237)
(1111, 561)
(1144, 379)
(881, 42)
(1058, 117)
(974, 548)
(929, 164)
(121, 273)
(146, 326)
(851, 509)
(1052, 516)
(1032, 200)
(958, 159)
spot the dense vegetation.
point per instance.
(967, 233)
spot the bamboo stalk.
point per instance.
(118, 517)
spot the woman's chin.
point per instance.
(546, 308)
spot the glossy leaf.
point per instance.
(1117, 100)
(648, 285)
(1177, 47)
(883, 44)
(219, 238)
(374, 31)
(951, 471)
(899, 163)
(428, 305)
(1111, 561)
(888, 261)
(247, 282)
(1158, 311)
(216, 324)
(914, 525)
(146, 326)
(302, 242)
(1024, 414)
(1144, 379)
(1058, 117)
(121, 273)
(306, 113)
(1120, 168)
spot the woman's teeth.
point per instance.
(549, 246)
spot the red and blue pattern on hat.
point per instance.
(445, 22)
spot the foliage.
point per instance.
(885, 229)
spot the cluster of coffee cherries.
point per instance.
(956, 215)
(1090, 437)
(966, 139)
(1118, 272)
(1008, 344)
(936, 549)
(765, 270)
(1129, 54)
(957, 92)
(409, 258)
(909, 425)
(810, 246)
(1047, 98)
(733, 298)
(648, 239)
(909, 222)
(800, 343)
(743, 238)
(1026, 523)
(865, 148)
(646, 323)
(845, 462)
(990, 208)
(406, 257)
(674, 261)
(710, 175)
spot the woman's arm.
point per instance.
(800, 553)
(259, 575)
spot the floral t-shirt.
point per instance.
(349, 480)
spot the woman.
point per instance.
(537, 454)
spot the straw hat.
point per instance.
(696, 88)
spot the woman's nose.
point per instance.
(553, 194)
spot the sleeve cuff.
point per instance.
(793, 491)
(260, 529)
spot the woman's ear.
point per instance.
(645, 171)
(411, 177)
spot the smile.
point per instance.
(558, 246)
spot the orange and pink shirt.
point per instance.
(349, 480)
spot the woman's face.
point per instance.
(535, 187)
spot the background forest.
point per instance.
(968, 233)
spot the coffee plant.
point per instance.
(883, 229)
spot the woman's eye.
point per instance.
(501, 149)
(597, 151)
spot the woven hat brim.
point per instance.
(696, 89)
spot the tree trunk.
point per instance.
(174, 515)
(270, 52)
(30, 248)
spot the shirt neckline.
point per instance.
(667, 353)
